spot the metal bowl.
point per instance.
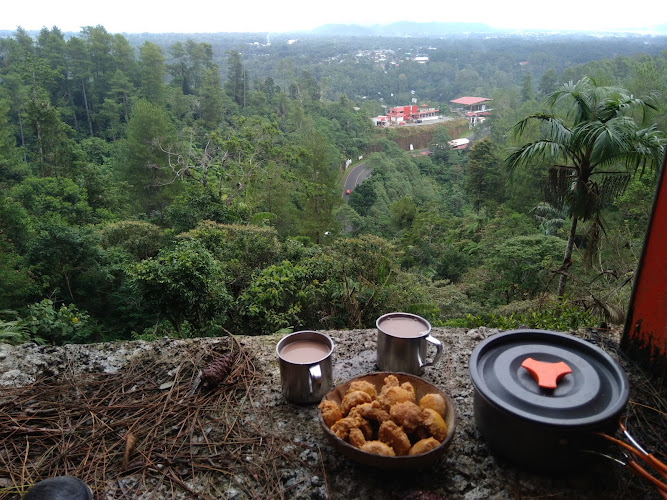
(385, 462)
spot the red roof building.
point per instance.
(473, 103)
(404, 114)
(474, 108)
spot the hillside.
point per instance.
(160, 185)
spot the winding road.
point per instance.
(357, 174)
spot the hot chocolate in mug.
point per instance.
(402, 343)
(305, 359)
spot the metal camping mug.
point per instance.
(402, 342)
(305, 366)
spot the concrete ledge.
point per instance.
(468, 471)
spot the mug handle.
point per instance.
(315, 378)
(438, 350)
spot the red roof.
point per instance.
(468, 101)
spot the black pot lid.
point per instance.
(549, 377)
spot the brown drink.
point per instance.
(402, 342)
(306, 366)
(401, 326)
(304, 351)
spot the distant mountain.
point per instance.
(404, 28)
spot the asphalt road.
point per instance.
(357, 174)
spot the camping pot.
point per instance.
(539, 397)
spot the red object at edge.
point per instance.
(645, 333)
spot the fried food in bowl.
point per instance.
(407, 423)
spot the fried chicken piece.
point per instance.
(435, 402)
(423, 445)
(356, 437)
(352, 399)
(408, 387)
(363, 385)
(344, 425)
(394, 436)
(370, 411)
(434, 423)
(330, 412)
(378, 448)
(406, 414)
(393, 395)
(390, 381)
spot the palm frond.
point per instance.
(649, 149)
(627, 104)
(540, 152)
(557, 131)
(605, 140)
(582, 95)
(519, 128)
(565, 90)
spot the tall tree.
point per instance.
(237, 78)
(548, 82)
(124, 57)
(153, 71)
(100, 49)
(51, 46)
(12, 170)
(483, 177)
(590, 153)
(527, 92)
(211, 99)
(149, 135)
(81, 72)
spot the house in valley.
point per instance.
(401, 115)
(475, 109)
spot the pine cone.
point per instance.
(218, 370)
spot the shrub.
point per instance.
(63, 325)
(183, 284)
(281, 296)
(242, 250)
(140, 239)
(559, 316)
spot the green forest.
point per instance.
(184, 185)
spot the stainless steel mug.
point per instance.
(305, 366)
(402, 343)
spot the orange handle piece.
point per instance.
(547, 375)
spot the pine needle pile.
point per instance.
(188, 427)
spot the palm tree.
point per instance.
(590, 154)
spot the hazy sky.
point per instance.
(203, 16)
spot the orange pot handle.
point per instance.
(547, 375)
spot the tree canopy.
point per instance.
(180, 184)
